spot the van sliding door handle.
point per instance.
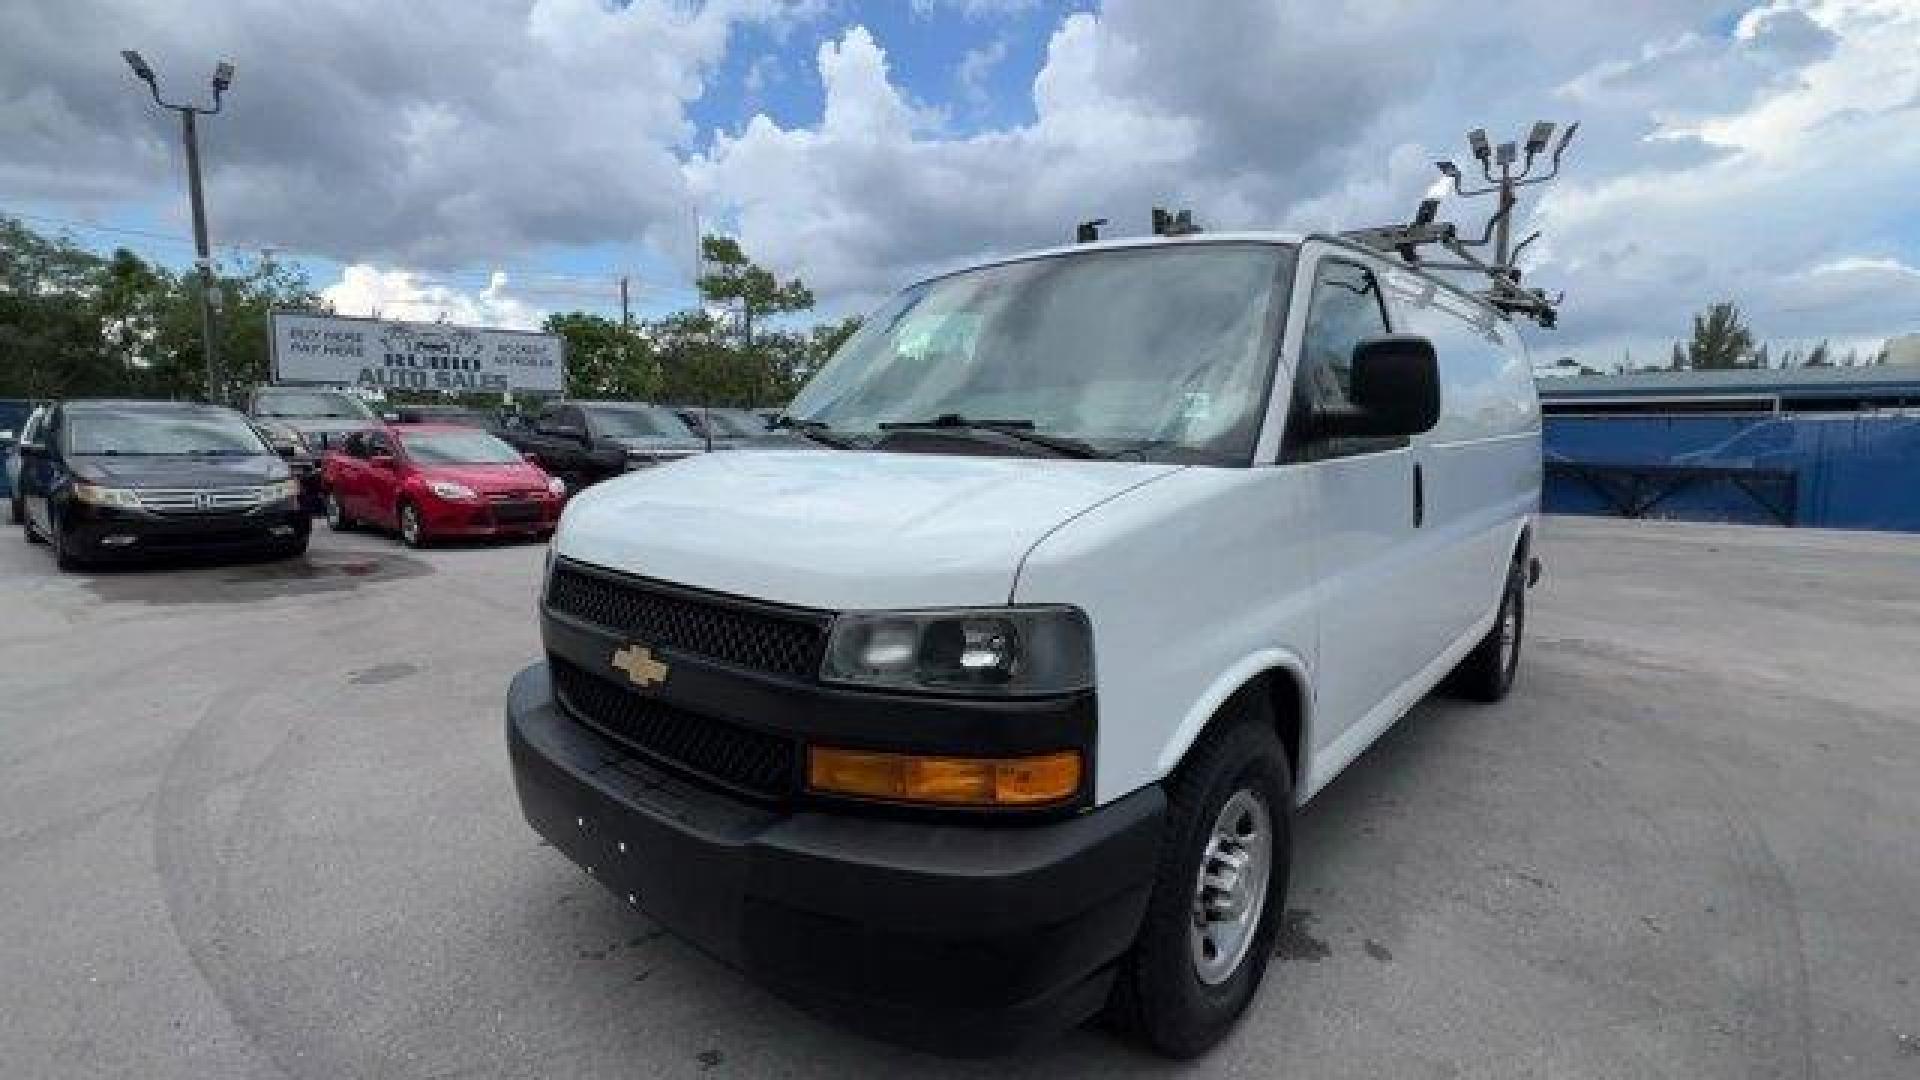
(1419, 496)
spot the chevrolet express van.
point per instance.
(983, 700)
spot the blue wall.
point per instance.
(13, 413)
(1854, 471)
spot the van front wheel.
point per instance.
(1218, 892)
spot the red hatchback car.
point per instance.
(429, 481)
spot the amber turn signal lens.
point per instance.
(945, 781)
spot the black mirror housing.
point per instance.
(1395, 391)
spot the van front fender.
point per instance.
(1222, 689)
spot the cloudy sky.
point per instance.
(497, 159)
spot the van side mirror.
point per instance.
(1395, 391)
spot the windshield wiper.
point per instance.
(1015, 430)
(817, 430)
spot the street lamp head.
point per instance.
(1477, 138)
(1566, 136)
(222, 77)
(139, 66)
(1505, 154)
(1538, 138)
(1448, 169)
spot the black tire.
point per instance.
(1486, 674)
(1159, 995)
(337, 518)
(292, 549)
(413, 535)
(64, 556)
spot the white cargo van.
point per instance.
(983, 697)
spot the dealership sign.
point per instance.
(383, 355)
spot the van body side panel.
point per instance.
(1481, 462)
(1184, 580)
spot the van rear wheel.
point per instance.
(1486, 674)
(1218, 893)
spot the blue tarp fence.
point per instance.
(1851, 471)
(13, 413)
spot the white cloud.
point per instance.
(398, 294)
(977, 66)
(1712, 163)
(974, 9)
(1725, 152)
(433, 133)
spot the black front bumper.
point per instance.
(965, 939)
(97, 532)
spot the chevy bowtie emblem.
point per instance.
(638, 662)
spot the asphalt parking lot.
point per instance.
(256, 820)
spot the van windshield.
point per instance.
(1156, 353)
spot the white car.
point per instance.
(988, 701)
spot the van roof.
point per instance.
(1278, 238)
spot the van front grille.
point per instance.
(751, 762)
(782, 641)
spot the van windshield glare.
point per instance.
(1161, 353)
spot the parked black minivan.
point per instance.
(114, 479)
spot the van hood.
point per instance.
(839, 529)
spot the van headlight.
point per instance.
(280, 491)
(1015, 652)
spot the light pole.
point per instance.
(1504, 155)
(1503, 270)
(189, 134)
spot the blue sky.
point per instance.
(499, 162)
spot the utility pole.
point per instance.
(626, 314)
(203, 257)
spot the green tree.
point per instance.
(50, 337)
(1821, 356)
(1721, 340)
(604, 358)
(752, 292)
(700, 365)
(73, 323)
